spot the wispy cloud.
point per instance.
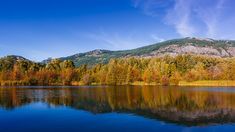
(204, 18)
(156, 38)
(151, 7)
(117, 41)
(195, 18)
(211, 16)
(179, 17)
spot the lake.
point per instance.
(117, 108)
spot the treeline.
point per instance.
(165, 70)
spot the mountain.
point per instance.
(198, 46)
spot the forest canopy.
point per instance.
(165, 70)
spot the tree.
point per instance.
(165, 80)
(67, 64)
(67, 76)
(86, 79)
(16, 73)
(133, 74)
(54, 65)
(42, 77)
(175, 78)
(101, 75)
(81, 71)
(190, 76)
(147, 76)
(199, 71)
(112, 73)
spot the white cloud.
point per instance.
(203, 18)
(179, 17)
(210, 16)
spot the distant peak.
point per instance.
(16, 57)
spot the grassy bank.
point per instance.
(208, 83)
(196, 83)
(181, 83)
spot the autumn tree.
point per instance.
(165, 80)
(87, 79)
(16, 73)
(133, 74)
(175, 78)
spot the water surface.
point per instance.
(121, 108)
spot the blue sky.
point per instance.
(38, 29)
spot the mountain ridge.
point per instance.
(192, 45)
(198, 46)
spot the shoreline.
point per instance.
(225, 83)
(201, 83)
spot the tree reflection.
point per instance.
(174, 104)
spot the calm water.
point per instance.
(125, 108)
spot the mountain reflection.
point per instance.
(173, 104)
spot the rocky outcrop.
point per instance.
(174, 50)
(97, 52)
(231, 51)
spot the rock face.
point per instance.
(174, 50)
(96, 53)
(231, 51)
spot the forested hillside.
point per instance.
(197, 46)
